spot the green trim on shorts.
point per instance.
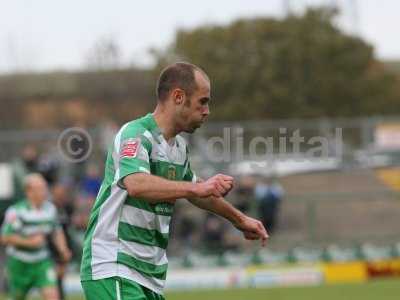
(117, 288)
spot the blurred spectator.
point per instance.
(49, 165)
(91, 182)
(269, 194)
(80, 218)
(27, 163)
(63, 200)
(213, 234)
(244, 194)
(186, 230)
(108, 131)
(88, 189)
(31, 161)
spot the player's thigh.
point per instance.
(19, 278)
(49, 293)
(45, 275)
(18, 292)
(131, 290)
(106, 288)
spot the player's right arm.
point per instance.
(10, 232)
(34, 241)
(133, 150)
(157, 189)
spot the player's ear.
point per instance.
(179, 96)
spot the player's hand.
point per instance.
(253, 230)
(37, 240)
(217, 186)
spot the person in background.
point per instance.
(88, 188)
(32, 161)
(63, 201)
(213, 234)
(91, 182)
(24, 233)
(49, 165)
(269, 194)
(28, 162)
(243, 199)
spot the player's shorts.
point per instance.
(117, 288)
(23, 276)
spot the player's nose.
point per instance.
(206, 111)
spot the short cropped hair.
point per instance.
(30, 177)
(178, 75)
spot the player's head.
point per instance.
(185, 88)
(36, 188)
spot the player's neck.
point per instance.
(165, 123)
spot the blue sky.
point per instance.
(55, 34)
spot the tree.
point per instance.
(301, 66)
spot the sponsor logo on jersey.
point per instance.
(164, 208)
(130, 148)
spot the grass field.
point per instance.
(379, 290)
(374, 290)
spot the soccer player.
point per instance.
(147, 170)
(24, 231)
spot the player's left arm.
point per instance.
(252, 229)
(60, 242)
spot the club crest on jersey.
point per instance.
(164, 208)
(130, 148)
(171, 173)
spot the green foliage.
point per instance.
(301, 66)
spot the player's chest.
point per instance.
(168, 162)
(34, 222)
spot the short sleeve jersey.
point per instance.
(25, 220)
(128, 236)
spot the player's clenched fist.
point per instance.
(218, 186)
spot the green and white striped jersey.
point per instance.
(128, 236)
(25, 220)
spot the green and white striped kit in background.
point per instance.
(126, 236)
(23, 219)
